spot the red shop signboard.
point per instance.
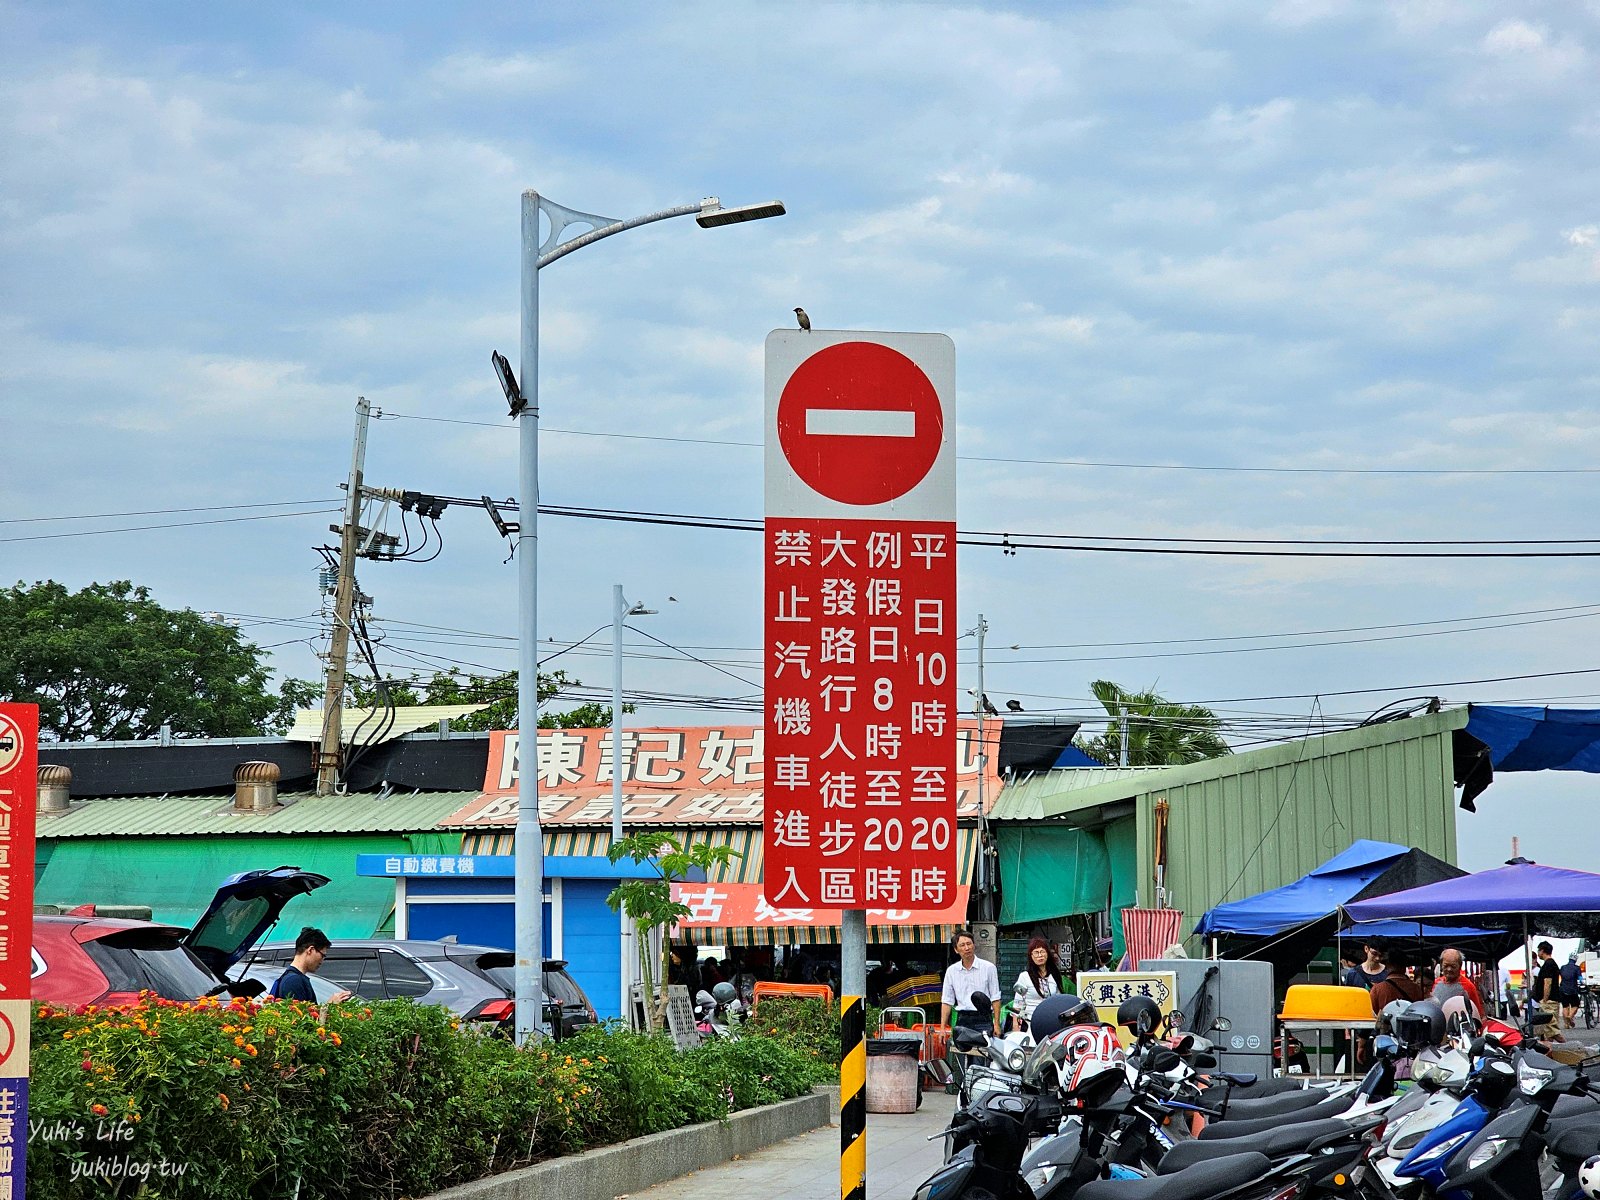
(860, 610)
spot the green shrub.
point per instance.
(242, 1101)
(808, 1028)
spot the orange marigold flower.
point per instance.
(222, 1099)
(236, 1063)
(98, 1110)
(250, 1050)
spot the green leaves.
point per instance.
(649, 901)
(1160, 733)
(109, 663)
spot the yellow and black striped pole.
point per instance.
(853, 1098)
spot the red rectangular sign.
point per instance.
(860, 706)
(735, 905)
(19, 791)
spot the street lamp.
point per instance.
(538, 252)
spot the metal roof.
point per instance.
(176, 816)
(1056, 793)
(406, 719)
(1021, 799)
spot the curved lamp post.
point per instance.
(540, 252)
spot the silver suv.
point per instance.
(475, 982)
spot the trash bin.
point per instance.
(892, 1075)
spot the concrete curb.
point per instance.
(646, 1161)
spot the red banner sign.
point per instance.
(19, 800)
(19, 793)
(738, 905)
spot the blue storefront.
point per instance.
(470, 897)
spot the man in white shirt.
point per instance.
(966, 978)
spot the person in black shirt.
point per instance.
(1546, 985)
(310, 948)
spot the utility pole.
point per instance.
(1122, 736)
(330, 752)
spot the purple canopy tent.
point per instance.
(1555, 900)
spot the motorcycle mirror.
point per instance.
(982, 1002)
(1020, 990)
(1175, 1018)
(1221, 1025)
(1385, 1044)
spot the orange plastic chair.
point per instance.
(810, 991)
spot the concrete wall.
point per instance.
(644, 1162)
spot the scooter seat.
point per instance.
(1272, 1106)
(1205, 1181)
(1277, 1085)
(1237, 1078)
(1275, 1143)
(1574, 1139)
(1230, 1128)
(1575, 1106)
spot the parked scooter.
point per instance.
(719, 1012)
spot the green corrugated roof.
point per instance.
(1055, 793)
(1020, 801)
(163, 816)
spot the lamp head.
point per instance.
(712, 214)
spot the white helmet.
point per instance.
(1589, 1177)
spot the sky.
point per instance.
(1299, 271)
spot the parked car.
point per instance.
(81, 960)
(475, 982)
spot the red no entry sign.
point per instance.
(860, 423)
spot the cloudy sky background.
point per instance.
(1337, 262)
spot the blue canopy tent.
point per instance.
(1501, 737)
(1288, 925)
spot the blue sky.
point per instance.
(1294, 236)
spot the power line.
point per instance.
(40, 537)
(1219, 547)
(1049, 462)
(162, 512)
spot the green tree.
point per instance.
(1160, 733)
(649, 902)
(109, 663)
(498, 692)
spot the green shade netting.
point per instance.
(1122, 847)
(1051, 871)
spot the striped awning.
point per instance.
(584, 842)
(747, 842)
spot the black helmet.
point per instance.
(1421, 1024)
(1140, 1014)
(1055, 1013)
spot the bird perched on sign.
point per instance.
(805, 321)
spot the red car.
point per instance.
(100, 960)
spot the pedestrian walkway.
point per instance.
(899, 1157)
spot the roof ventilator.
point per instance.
(255, 787)
(55, 788)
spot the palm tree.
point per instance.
(1160, 733)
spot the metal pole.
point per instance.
(853, 952)
(978, 708)
(619, 611)
(630, 953)
(529, 894)
(1122, 737)
(329, 751)
(853, 1099)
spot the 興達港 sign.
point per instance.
(859, 631)
(19, 791)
